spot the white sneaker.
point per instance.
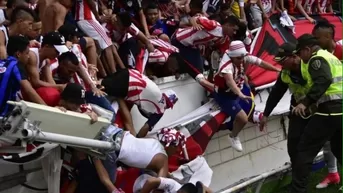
(236, 143)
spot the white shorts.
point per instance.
(138, 152)
(95, 30)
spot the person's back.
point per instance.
(10, 78)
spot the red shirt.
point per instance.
(338, 51)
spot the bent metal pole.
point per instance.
(65, 139)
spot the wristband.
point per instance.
(241, 4)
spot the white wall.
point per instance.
(263, 151)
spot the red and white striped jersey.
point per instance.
(162, 51)
(212, 31)
(238, 72)
(323, 4)
(83, 11)
(120, 37)
(307, 5)
(75, 78)
(145, 93)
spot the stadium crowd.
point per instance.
(71, 53)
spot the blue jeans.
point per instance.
(100, 101)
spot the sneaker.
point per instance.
(236, 143)
(331, 178)
(257, 117)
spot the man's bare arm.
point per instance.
(47, 75)
(34, 77)
(30, 93)
(3, 52)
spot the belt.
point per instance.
(117, 139)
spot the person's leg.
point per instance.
(239, 118)
(316, 133)
(96, 31)
(331, 161)
(257, 15)
(193, 64)
(296, 126)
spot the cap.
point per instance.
(285, 50)
(237, 49)
(74, 93)
(68, 29)
(171, 98)
(306, 40)
(171, 136)
(55, 39)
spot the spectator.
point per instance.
(88, 20)
(90, 174)
(55, 14)
(150, 152)
(325, 32)
(304, 7)
(211, 7)
(162, 28)
(52, 45)
(13, 76)
(211, 31)
(135, 10)
(35, 33)
(9, 6)
(324, 6)
(229, 82)
(260, 11)
(87, 45)
(21, 24)
(68, 69)
(126, 34)
(237, 7)
(147, 183)
(137, 89)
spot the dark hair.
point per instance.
(189, 188)
(232, 20)
(215, 17)
(68, 56)
(196, 4)
(11, 3)
(22, 12)
(151, 5)
(36, 16)
(125, 18)
(241, 32)
(17, 44)
(225, 6)
(325, 24)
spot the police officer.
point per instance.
(292, 79)
(323, 74)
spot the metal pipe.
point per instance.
(263, 176)
(65, 139)
(260, 177)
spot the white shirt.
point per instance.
(167, 185)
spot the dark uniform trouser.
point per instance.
(296, 128)
(319, 130)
